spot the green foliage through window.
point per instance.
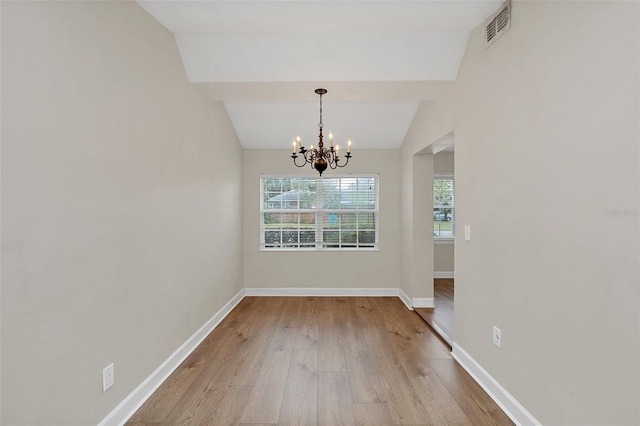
(443, 207)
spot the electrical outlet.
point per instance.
(108, 378)
(497, 336)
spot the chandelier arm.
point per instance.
(311, 155)
(346, 162)
(295, 162)
(331, 159)
(324, 154)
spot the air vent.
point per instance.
(498, 23)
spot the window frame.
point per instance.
(319, 210)
(445, 239)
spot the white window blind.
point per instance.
(319, 213)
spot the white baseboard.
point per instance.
(423, 302)
(405, 299)
(441, 332)
(364, 292)
(442, 274)
(504, 399)
(128, 406)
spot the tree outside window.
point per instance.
(443, 207)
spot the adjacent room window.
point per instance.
(443, 207)
(319, 213)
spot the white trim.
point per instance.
(327, 292)
(442, 334)
(423, 302)
(444, 176)
(315, 249)
(444, 240)
(321, 291)
(442, 274)
(504, 399)
(405, 299)
(315, 176)
(129, 405)
(320, 211)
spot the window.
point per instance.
(319, 213)
(443, 207)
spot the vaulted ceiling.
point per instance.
(377, 59)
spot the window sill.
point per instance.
(443, 240)
(315, 250)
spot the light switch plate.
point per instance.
(467, 232)
(108, 378)
(497, 336)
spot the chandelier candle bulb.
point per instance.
(331, 137)
(299, 140)
(348, 146)
(337, 150)
(294, 147)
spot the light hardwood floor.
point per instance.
(441, 317)
(320, 361)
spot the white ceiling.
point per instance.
(377, 59)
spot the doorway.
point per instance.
(441, 317)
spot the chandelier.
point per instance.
(320, 157)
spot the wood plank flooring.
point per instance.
(320, 361)
(441, 317)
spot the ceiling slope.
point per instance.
(378, 60)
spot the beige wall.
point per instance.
(443, 257)
(443, 163)
(121, 207)
(364, 269)
(546, 123)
